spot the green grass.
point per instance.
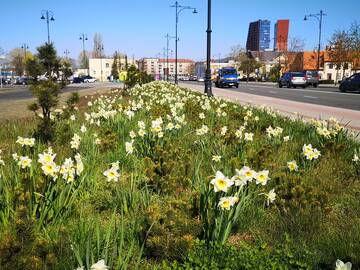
(163, 204)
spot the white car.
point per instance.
(89, 79)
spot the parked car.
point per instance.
(89, 79)
(292, 79)
(351, 84)
(77, 80)
(193, 78)
(22, 81)
(312, 77)
(200, 79)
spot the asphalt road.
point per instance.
(328, 96)
(22, 92)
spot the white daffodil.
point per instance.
(100, 265)
(340, 265)
(83, 129)
(75, 141)
(270, 197)
(201, 115)
(227, 202)
(292, 166)
(112, 174)
(24, 162)
(248, 137)
(46, 157)
(223, 131)
(221, 182)
(262, 177)
(129, 147)
(286, 138)
(356, 158)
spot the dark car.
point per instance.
(351, 84)
(78, 80)
(292, 79)
(312, 77)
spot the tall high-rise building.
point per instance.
(258, 36)
(281, 35)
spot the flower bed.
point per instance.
(159, 177)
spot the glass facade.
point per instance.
(264, 35)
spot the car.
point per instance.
(89, 79)
(227, 77)
(312, 77)
(292, 79)
(22, 81)
(193, 78)
(77, 80)
(351, 84)
(200, 79)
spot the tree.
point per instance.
(17, 60)
(65, 71)
(84, 59)
(98, 46)
(354, 44)
(115, 66)
(49, 60)
(249, 65)
(191, 69)
(290, 56)
(33, 67)
(338, 50)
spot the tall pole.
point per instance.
(66, 52)
(176, 41)
(208, 86)
(47, 15)
(319, 17)
(168, 37)
(24, 46)
(83, 38)
(318, 56)
(100, 49)
(178, 9)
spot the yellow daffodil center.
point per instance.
(221, 183)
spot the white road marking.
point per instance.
(310, 97)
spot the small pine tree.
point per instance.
(114, 67)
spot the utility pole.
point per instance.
(47, 15)
(66, 52)
(101, 49)
(208, 84)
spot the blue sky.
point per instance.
(138, 26)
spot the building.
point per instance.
(100, 68)
(159, 67)
(200, 67)
(258, 36)
(281, 32)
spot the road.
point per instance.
(22, 92)
(327, 96)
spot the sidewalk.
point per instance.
(350, 118)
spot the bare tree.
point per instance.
(83, 59)
(291, 57)
(338, 51)
(17, 58)
(354, 44)
(98, 51)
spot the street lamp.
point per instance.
(168, 37)
(100, 49)
(208, 84)
(66, 52)
(47, 15)
(83, 38)
(24, 46)
(178, 9)
(318, 16)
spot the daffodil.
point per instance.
(340, 265)
(24, 162)
(75, 141)
(292, 165)
(100, 265)
(227, 202)
(83, 129)
(356, 158)
(113, 174)
(248, 137)
(129, 147)
(46, 157)
(270, 197)
(216, 158)
(262, 177)
(221, 182)
(50, 169)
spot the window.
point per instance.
(329, 76)
(346, 66)
(331, 66)
(107, 65)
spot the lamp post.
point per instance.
(24, 46)
(208, 84)
(178, 9)
(319, 17)
(281, 39)
(47, 15)
(100, 50)
(66, 52)
(168, 37)
(83, 38)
